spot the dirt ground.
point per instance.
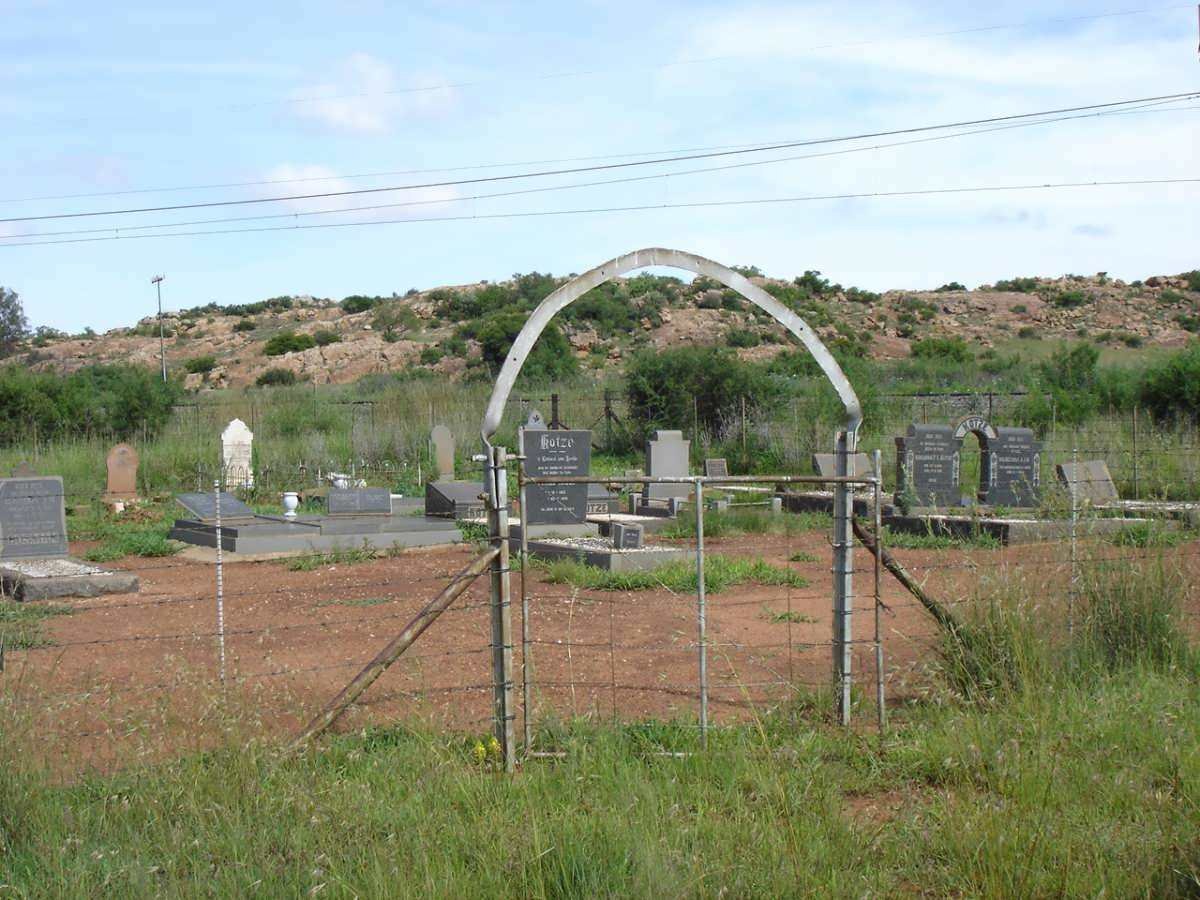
(136, 676)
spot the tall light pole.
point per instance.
(162, 343)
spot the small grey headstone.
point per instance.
(776, 504)
(825, 464)
(23, 470)
(635, 500)
(204, 506)
(1089, 480)
(443, 452)
(535, 422)
(627, 536)
(667, 456)
(33, 518)
(369, 501)
(716, 468)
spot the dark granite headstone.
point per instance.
(1089, 481)
(599, 501)
(204, 507)
(549, 453)
(376, 501)
(716, 468)
(927, 466)
(455, 499)
(33, 518)
(628, 536)
(1010, 468)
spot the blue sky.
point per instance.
(132, 96)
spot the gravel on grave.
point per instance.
(599, 544)
(52, 568)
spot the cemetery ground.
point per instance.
(1035, 763)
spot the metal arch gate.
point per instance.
(495, 461)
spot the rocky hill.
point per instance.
(439, 330)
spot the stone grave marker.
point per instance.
(927, 466)
(825, 464)
(23, 470)
(667, 456)
(546, 453)
(237, 454)
(442, 442)
(33, 518)
(122, 462)
(1089, 481)
(716, 468)
(627, 536)
(1010, 468)
(203, 507)
(370, 501)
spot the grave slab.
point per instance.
(716, 468)
(600, 553)
(204, 507)
(48, 579)
(359, 502)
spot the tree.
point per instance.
(14, 328)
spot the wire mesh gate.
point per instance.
(602, 629)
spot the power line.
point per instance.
(868, 195)
(609, 166)
(115, 230)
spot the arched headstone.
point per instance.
(122, 462)
(237, 452)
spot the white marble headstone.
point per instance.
(237, 443)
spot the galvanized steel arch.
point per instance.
(677, 259)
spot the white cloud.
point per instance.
(365, 96)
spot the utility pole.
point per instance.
(162, 344)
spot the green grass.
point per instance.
(340, 556)
(1149, 534)
(720, 573)
(1080, 778)
(737, 522)
(906, 540)
(21, 623)
(802, 556)
(124, 535)
(358, 601)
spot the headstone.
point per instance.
(549, 453)
(23, 470)
(376, 501)
(927, 466)
(442, 442)
(628, 536)
(122, 465)
(716, 468)
(237, 455)
(1089, 481)
(33, 518)
(455, 499)
(599, 500)
(667, 456)
(825, 464)
(1010, 468)
(776, 504)
(204, 507)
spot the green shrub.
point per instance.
(431, 356)
(1188, 323)
(276, 377)
(1069, 299)
(357, 303)
(1171, 296)
(288, 342)
(1193, 280)
(1170, 388)
(1020, 308)
(200, 365)
(119, 399)
(951, 286)
(551, 357)
(667, 388)
(243, 325)
(742, 337)
(954, 349)
(326, 336)
(1017, 285)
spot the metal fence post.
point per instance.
(501, 608)
(843, 585)
(526, 628)
(701, 622)
(879, 676)
(220, 579)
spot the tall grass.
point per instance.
(720, 574)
